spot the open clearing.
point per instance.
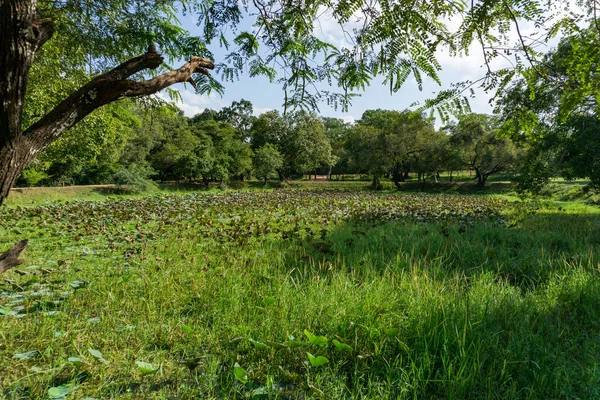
(301, 294)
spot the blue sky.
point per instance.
(267, 96)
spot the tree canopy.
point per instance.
(80, 41)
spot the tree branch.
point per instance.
(527, 55)
(10, 258)
(41, 31)
(106, 88)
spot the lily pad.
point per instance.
(314, 339)
(98, 356)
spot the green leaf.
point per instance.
(95, 353)
(61, 392)
(316, 361)
(240, 373)
(236, 340)
(313, 339)
(275, 345)
(76, 361)
(146, 368)
(29, 355)
(391, 332)
(98, 356)
(269, 301)
(293, 343)
(79, 284)
(187, 328)
(341, 346)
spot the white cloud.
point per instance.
(206, 101)
(349, 119)
(193, 103)
(328, 29)
(260, 110)
(190, 111)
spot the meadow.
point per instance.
(324, 292)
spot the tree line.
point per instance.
(544, 126)
(156, 142)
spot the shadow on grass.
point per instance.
(483, 310)
(525, 251)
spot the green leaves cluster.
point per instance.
(553, 110)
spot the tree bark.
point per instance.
(22, 33)
(10, 258)
(481, 178)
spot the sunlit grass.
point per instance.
(467, 307)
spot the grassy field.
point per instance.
(317, 291)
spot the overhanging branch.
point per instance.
(106, 88)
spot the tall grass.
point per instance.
(491, 309)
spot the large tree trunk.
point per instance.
(14, 157)
(397, 175)
(481, 178)
(22, 33)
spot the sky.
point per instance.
(267, 96)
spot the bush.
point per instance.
(32, 176)
(133, 179)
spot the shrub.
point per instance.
(133, 179)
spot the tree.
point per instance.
(304, 145)
(337, 132)
(432, 156)
(395, 40)
(174, 141)
(367, 149)
(267, 161)
(228, 153)
(23, 32)
(239, 115)
(402, 136)
(476, 139)
(557, 115)
(268, 127)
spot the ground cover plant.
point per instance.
(311, 293)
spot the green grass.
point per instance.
(437, 296)
(39, 195)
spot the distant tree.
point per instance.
(269, 127)
(431, 157)
(368, 153)
(239, 115)
(337, 132)
(229, 155)
(176, 140)
(402, 136)
(206, 115)
(479, 147)
(304, 145)
(267, 162)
